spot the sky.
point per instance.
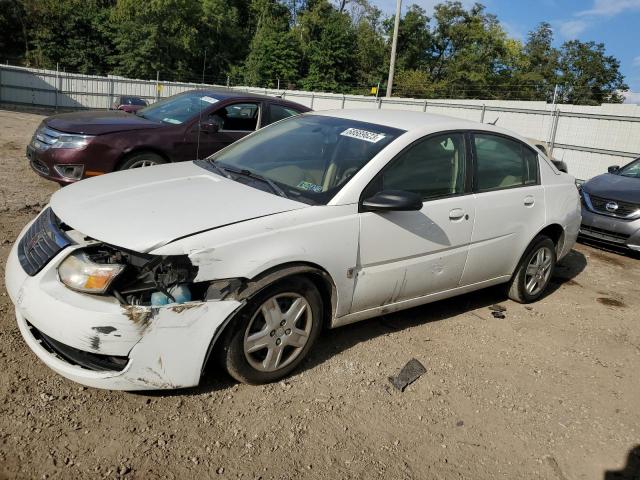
(612, 22)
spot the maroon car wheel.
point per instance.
(142, 159)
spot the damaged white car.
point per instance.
(134, 280)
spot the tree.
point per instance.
(589, 76)
(70, 33)
(540, 72)
(371, 53)
(156, 35)
(414, 39)
(13, 40)
(327, 41)
(274, 52)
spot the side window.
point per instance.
(434, 167)
(279, 112)
(241, 117)
(503, 163)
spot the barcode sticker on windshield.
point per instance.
(372, 137)
(209, 99)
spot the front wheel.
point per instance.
(273, 332)
(534, 272)
(141, 160)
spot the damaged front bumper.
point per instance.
(95, 341)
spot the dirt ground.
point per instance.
(549, 392)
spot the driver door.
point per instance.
(405, 255)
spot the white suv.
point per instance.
(133, 280)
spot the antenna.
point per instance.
(495, 121)
(204, 64)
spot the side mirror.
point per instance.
(209, 127)
(613, 168)
(392, 201)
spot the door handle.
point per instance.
(529, 201)
(456, 214)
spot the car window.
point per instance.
(279, 112)
(178, 108)
(631, 170)
(238, 117)
(434, 167)
(310, 156)
(503, 163)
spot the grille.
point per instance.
(42, 241)
(44, 138)
(87, 360)
(603, 234)
(625, 209)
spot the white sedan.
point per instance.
(133, 280)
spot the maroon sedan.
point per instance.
(69, 147)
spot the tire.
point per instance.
(142, 159)
(258, 348)
(538, 262)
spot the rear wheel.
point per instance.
(274, 332)
(142, 159)
(534, 271)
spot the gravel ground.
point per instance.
(551, 391)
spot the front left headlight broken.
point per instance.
(80, 273)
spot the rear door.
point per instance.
(404, 255)
(509, 202)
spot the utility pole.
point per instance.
(394, 44)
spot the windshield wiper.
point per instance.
(221, 170)
(248, 173)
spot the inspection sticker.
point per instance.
(372, 137)
(309, 186)
(209, 99)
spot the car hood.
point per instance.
(143, 209)
(99, 122)
(614, 187)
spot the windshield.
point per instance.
(179, 108)
(631, 170)
(310, 157)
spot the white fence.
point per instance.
(588, 139)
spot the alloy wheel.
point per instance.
(278, 332)
(538, 271)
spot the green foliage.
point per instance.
(70, 33)
(327, 40)
(328, 45)
(589, 76)
(274, 52)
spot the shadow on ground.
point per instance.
(631, 471)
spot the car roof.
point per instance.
(411, 120)
(224, 94)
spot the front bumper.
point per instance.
(610, 230)
(166, 347)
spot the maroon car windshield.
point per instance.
(179, 108)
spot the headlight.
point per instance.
(72, 141)
(79, 272)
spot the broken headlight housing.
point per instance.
(79, 272)
(131, 277)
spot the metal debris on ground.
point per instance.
(498, 311)
(409, 374)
